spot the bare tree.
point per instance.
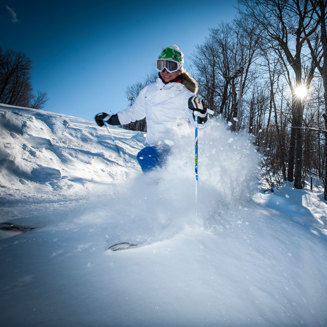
(286, 26)
(320, 58)
(39, 100)
(206, 63)
(15, 80)
(15, 84)
(255, 89)
(222, 67)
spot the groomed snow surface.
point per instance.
(248, 258)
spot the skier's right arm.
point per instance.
(131, 114)
(136, 111)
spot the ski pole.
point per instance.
(113, 140)
(196, 155)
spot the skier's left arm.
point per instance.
(199, 109)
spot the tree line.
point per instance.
(15, 81)
(266, 72)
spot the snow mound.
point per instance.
(46, 157)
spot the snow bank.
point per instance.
(246, 259)
(47, 158)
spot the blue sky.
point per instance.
(86, 53)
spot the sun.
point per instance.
(301, 92)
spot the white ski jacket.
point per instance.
(165, 107)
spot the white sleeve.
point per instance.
(134, 112)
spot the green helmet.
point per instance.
(172, 53)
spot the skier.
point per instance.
(166, 104)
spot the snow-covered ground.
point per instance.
(247, 259)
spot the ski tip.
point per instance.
(122, 246)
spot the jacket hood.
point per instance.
(189, 82)
(186, 79)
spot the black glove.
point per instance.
(103, 117)
(198, 108)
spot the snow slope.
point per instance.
(247, 259)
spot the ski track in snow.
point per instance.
(247, 259)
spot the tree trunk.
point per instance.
(281, 143)
(325, 191)
(224, 97)
(291, 152)
(298, 147)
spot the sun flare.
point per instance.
(301, 92)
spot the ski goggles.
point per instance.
(169, 65)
